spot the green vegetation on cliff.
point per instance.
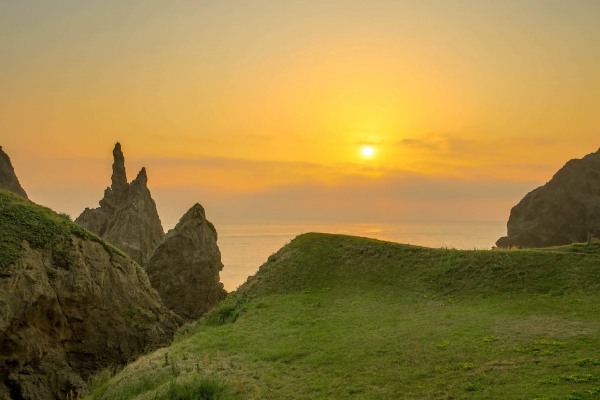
(21, 219)
(338, 317)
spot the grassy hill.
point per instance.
(338, 317)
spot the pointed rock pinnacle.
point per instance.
(127, 216)
(119, 177)
(141, 178)
(8, 178)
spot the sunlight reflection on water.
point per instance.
(245, 247)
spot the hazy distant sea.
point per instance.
(246, 247)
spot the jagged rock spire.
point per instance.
(127, 216)
(141, 178)
(8, 178)
(119, 176)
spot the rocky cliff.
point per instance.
(127, 216)
(184, 269)
(565, 210)
(8, 178)
(70, 304)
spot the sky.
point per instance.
(261, 109)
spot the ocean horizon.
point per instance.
(246, 246)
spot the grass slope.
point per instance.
(338, 317)
(22, 219)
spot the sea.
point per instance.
(245, 247)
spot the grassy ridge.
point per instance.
(318, 260)
(338, 317)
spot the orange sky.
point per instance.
(258, 109)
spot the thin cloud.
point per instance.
(454, 144)
(419, 143)
(233, 163)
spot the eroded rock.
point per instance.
(70, 305)
(127, 216)
(565, 210)
(185, 267)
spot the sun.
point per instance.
(367, 151)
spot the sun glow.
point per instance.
(367, 151)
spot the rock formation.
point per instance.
(8, 178)
(127, 215)
(184, 269)
(70, 304)
(565, 210)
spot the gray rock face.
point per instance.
(184, 269)
(127, 216)
(563, 211)
(69, 308)
(8, 178)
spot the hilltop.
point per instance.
(339, 317)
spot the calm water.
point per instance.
(244, 248)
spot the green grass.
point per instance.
(338, 317)
(22, 220)
(197, 388)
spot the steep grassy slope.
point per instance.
(338, 317)
(21, 219)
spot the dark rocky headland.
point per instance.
(563, 211)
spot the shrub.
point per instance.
(227, 311)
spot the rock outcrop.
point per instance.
(8, 178)
(565, 210)
(184, 269)
(70, 304)
(127, 216)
